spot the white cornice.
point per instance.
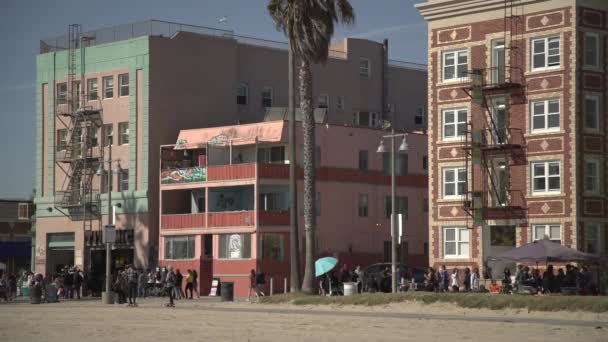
(442, 9)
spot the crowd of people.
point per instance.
(574, 280)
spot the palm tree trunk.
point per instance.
(293, 182)
(308, 125)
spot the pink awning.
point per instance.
(265, 132)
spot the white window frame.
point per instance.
(121, 85)
(268, 90)
(62, 139)
(595, 99)
(325, 98)
(365, 69)
(596, 239)
(545, 176)
(596, 52)
(244, 241)
(27, 211)
(123, 180)
(374, 119)
(243, 87)
(547, 229)
(546, 41)
(121, 135)
(106, 88)
(455, 123)
(340, 102)
(595, 178)
(455, 54)
(545, 115)
(458, 241)
(171, 240)
(62, 95)
(92, 89)
(456, 182)
(419, 115)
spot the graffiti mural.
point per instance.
(185, 175)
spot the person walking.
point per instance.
(169, 285)
(454, 280)
(444, 279)
(76, 282)
(189, 278)
(178, 285)
(475, 280)
(132, 279)
(359, 278)
(142, 281)
(253, 288)
(195, 283)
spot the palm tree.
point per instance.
(309, 26)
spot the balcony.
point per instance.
(273, 218)
(182, 221)
(274, 171)
(231, 172)
(183, 175)
(232, 219)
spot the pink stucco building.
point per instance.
(224, 200)
(149, 80)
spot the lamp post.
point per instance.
(382, 149)
(100, 171)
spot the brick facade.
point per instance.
(571, 144)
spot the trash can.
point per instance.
(350, 289)
(36, 294)
(51, 293)
(227, 291)
(25, 291)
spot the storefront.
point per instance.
(60, 251)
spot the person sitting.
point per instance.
(548, 282)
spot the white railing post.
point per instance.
(285, 285)
(271, 285)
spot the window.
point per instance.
(545, 53)
(454, 182)
(323, 101)
(271, 155)
(62, 93)
(62, 139)
(123, 85)
(235, 246)
(552, 232)
(425, 205)
(367, 119)
(267, 97)
(363, 205)
(340, 102)
(179, 247)
(545, 115)
(456, 242)
(425, 162)
(108, 87)
(23, 211)
(272, 202)
(242, 92)
(454, 123)
(592, 176)
(272, 246)
(401, 206)
(419, 117)
(92, 134)
(592, 110)
(108, 135)
(374, 119)
(592, 238)
(545, 177)
(401, 163)
(592, 50)
(364, 68)
(363, 161)
(455, 65)
(123, 131)
(104, 182)
(123, 180)
(92, 92)
(502, 236)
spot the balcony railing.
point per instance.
(231, 219)
(273, 217)
(182, 221)
(273, 171)
(183, 175)
(231, 172)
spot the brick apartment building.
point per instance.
(16, 234)
(224, 201)
(517, 124)
(130, 89)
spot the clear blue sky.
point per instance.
(24, 22)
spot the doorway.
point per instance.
(500, 117)
(500, 180)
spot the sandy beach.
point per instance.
(200, 320)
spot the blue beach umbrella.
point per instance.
(324, 265)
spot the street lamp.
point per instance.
(100, 172)
(382, 149)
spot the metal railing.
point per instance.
(161, 28)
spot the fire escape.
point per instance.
(79, 153)
(492, 146)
